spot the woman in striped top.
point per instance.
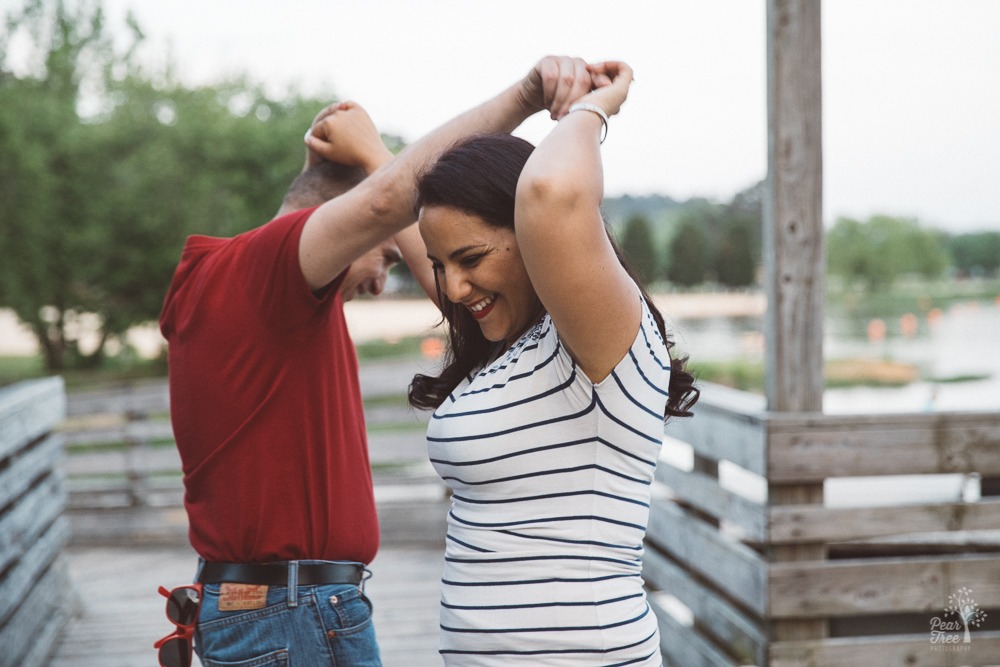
(548, 416)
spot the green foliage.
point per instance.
(660, 212)
(716, 242)
(386, 349)
(689, 252)
(44, 151)
(976, 254)
(741, 374)
(748, 375)
(96, 206)
(657, 209)
(734, 263)
(637, 246)
(177, 162)
(879, 251)
(728, 248)
(738, 247)
(15, 369)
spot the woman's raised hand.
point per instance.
(611, 80)
(554, 83)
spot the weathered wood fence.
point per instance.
(124, 472)
(36, 598)
(887, 569)
(719, 585)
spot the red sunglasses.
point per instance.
(183, 605)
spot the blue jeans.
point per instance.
(300, 626)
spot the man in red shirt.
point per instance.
(265, 401)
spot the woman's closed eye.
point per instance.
(472, 260)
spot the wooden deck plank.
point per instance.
(123, 614)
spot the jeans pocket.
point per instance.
(247, 638)
(275, 659)
(352, 611)
(350, 634)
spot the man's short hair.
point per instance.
(321, 182)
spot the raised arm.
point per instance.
(330, 168)
(382, 205)
(562, 237)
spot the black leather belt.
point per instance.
(276, 574)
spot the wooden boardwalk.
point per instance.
(122, 614)
(120, 552)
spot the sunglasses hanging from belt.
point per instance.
(183, 605)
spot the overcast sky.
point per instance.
(911, 87)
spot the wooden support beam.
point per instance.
(793, 249)
(793, 215)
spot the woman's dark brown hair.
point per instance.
(479, 177)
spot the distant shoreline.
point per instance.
(374, 319)
(390, 318)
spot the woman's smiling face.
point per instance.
(479, 267)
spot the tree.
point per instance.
(688, 253)
(718, 241)
(976, 253)
(637, 245)
(43, 148)
(176, 161)
(877, 252)
(734, 262)
(97, 206)
(746, 211)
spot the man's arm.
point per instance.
(411, 245)
(346, 134)
(346, 227)
(342, 146)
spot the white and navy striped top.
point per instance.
(551, 477)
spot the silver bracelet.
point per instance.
(586, 106)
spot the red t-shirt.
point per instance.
(265, 404)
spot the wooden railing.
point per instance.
(36, 598)
(124, 472)
(720, 588)
(892, 567)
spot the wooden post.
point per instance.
(793, 247)
(795, 265)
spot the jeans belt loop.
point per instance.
(293, 583)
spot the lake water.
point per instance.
(962, 340)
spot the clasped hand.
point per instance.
(344, 133)
(557, 82)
